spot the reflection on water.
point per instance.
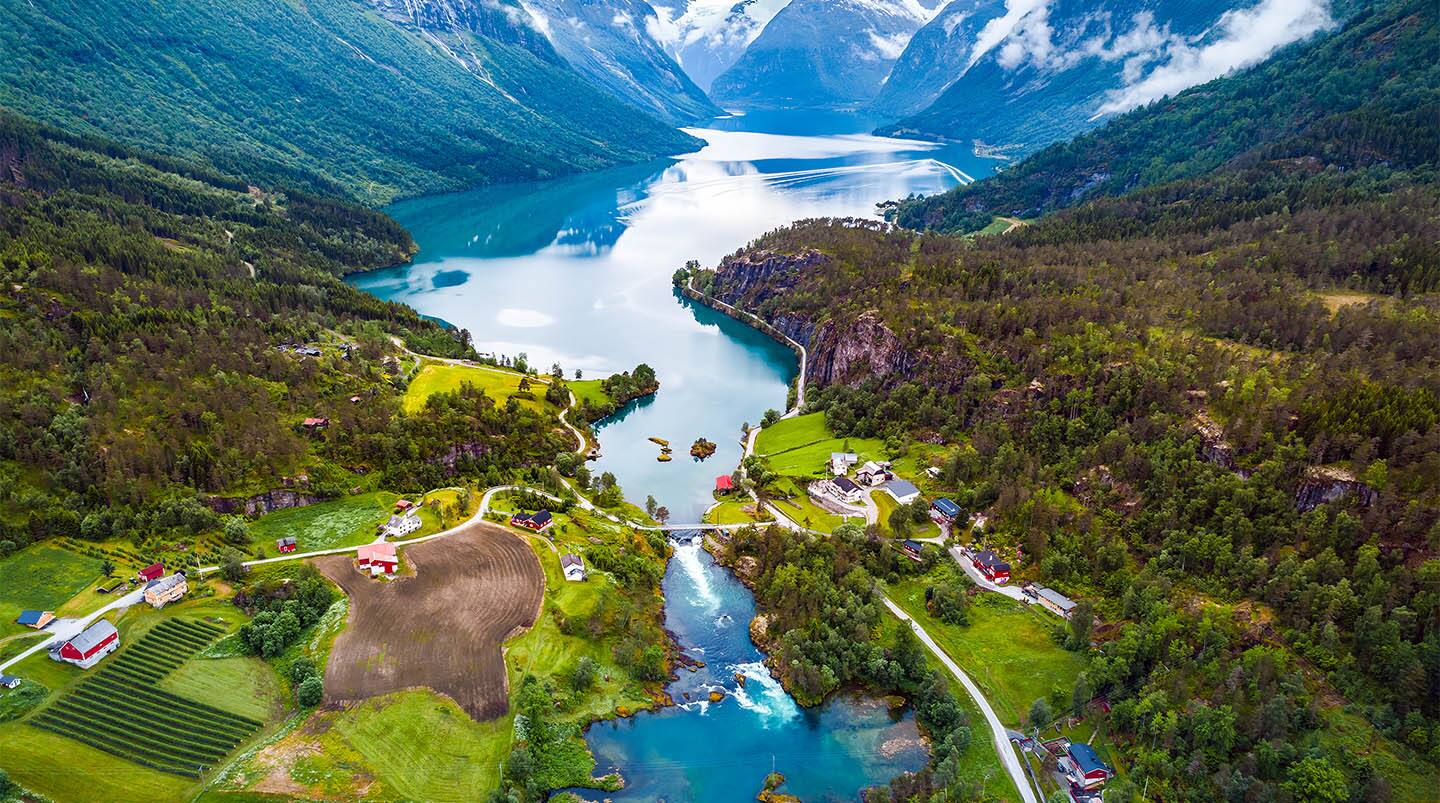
(576, 271)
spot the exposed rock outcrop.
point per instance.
(260, 504)
(1322, 485)
(1213, 446)
(849, 353)
(750, 278)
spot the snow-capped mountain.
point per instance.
(935, 57)
(1038, 71)
(823, 53)
(613, 44)
(707, 36)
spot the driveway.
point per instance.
(979, 579)
(66, 629)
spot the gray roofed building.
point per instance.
(903, 491)
(1055, 601)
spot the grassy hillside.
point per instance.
(1362, 97)
(324, 94)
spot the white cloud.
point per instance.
(996, 30)
(1242, 37)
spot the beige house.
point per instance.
(166, 590)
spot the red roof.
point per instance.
(317, 422)
(382, 552)
(723, 483)
(404, 504)
(154, 571)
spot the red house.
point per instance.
(319, 422)
(154, 571)
(404, 504)
(1084, 767)
(538, 521)
(379, 558)
(995, 570)
(286, 544)
(85, 650)
(723, 484)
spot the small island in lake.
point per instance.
(702, 448)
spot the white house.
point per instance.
(840, 462)
(573, 567)
(402, 525)
(872, 473)
(902, 491)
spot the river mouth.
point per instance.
(577, 272)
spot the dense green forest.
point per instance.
(151, 327)
(1210, 406)
(1362, 98)
(327, 95)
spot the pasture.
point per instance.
(349, 521)
(42, 577)
(497, 383)
(1009, 649)
(801, 446)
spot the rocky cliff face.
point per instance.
(503, 21)
(1325, 485)
(850, 352)
(260, 504)
(751, 278)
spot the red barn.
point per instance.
(995, 570)
(538, 521)
(154, 571)
(286, 544)
(723, 484)
(404, 504)
(86, 650)
(379, 558)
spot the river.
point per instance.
(577, 271)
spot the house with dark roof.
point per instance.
(846, 489)
(1083, 767)
(945, 510)
(35, 619)
(9, 681)
(92, 644)
(995, 570)
(912, 549)
(573, 567)
(539, 521)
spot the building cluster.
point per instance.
(850, 487)
(1083, 770)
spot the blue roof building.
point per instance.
(946, 508)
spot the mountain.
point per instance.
(1300, 105)
(613, 44)
(936, 55)
(707, 36)
(400, 97)
(1049, 69)
(822, 53)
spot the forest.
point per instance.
(1208, 403)
(152, 323)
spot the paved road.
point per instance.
(65, 629)
(998, 735)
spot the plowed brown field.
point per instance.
(441, 628)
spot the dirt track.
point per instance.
(441, 628)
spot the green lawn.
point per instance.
(801, 446)
(244, 685)
(1007, 649)
(41, 577)
(887, 504)
(497, 383)
(591, 390)
(731, 511)
(809, 515)
(349, 521)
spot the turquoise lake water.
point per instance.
(577, 271)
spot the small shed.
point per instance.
(723, 484)
(317, 422)
(404, 504)
(35, 619)
(286, 544)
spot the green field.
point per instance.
(242, 685)
(497, 383)
(41, 577)
(887, 504)
(349, 521)
(1008, 648)
(801, 446)
(809, 515)
(731, 511)
(591, 390)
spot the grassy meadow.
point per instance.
(801, 446)
(42, 577)
(498, 384)
(348, 521)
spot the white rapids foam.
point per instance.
(763, 694)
